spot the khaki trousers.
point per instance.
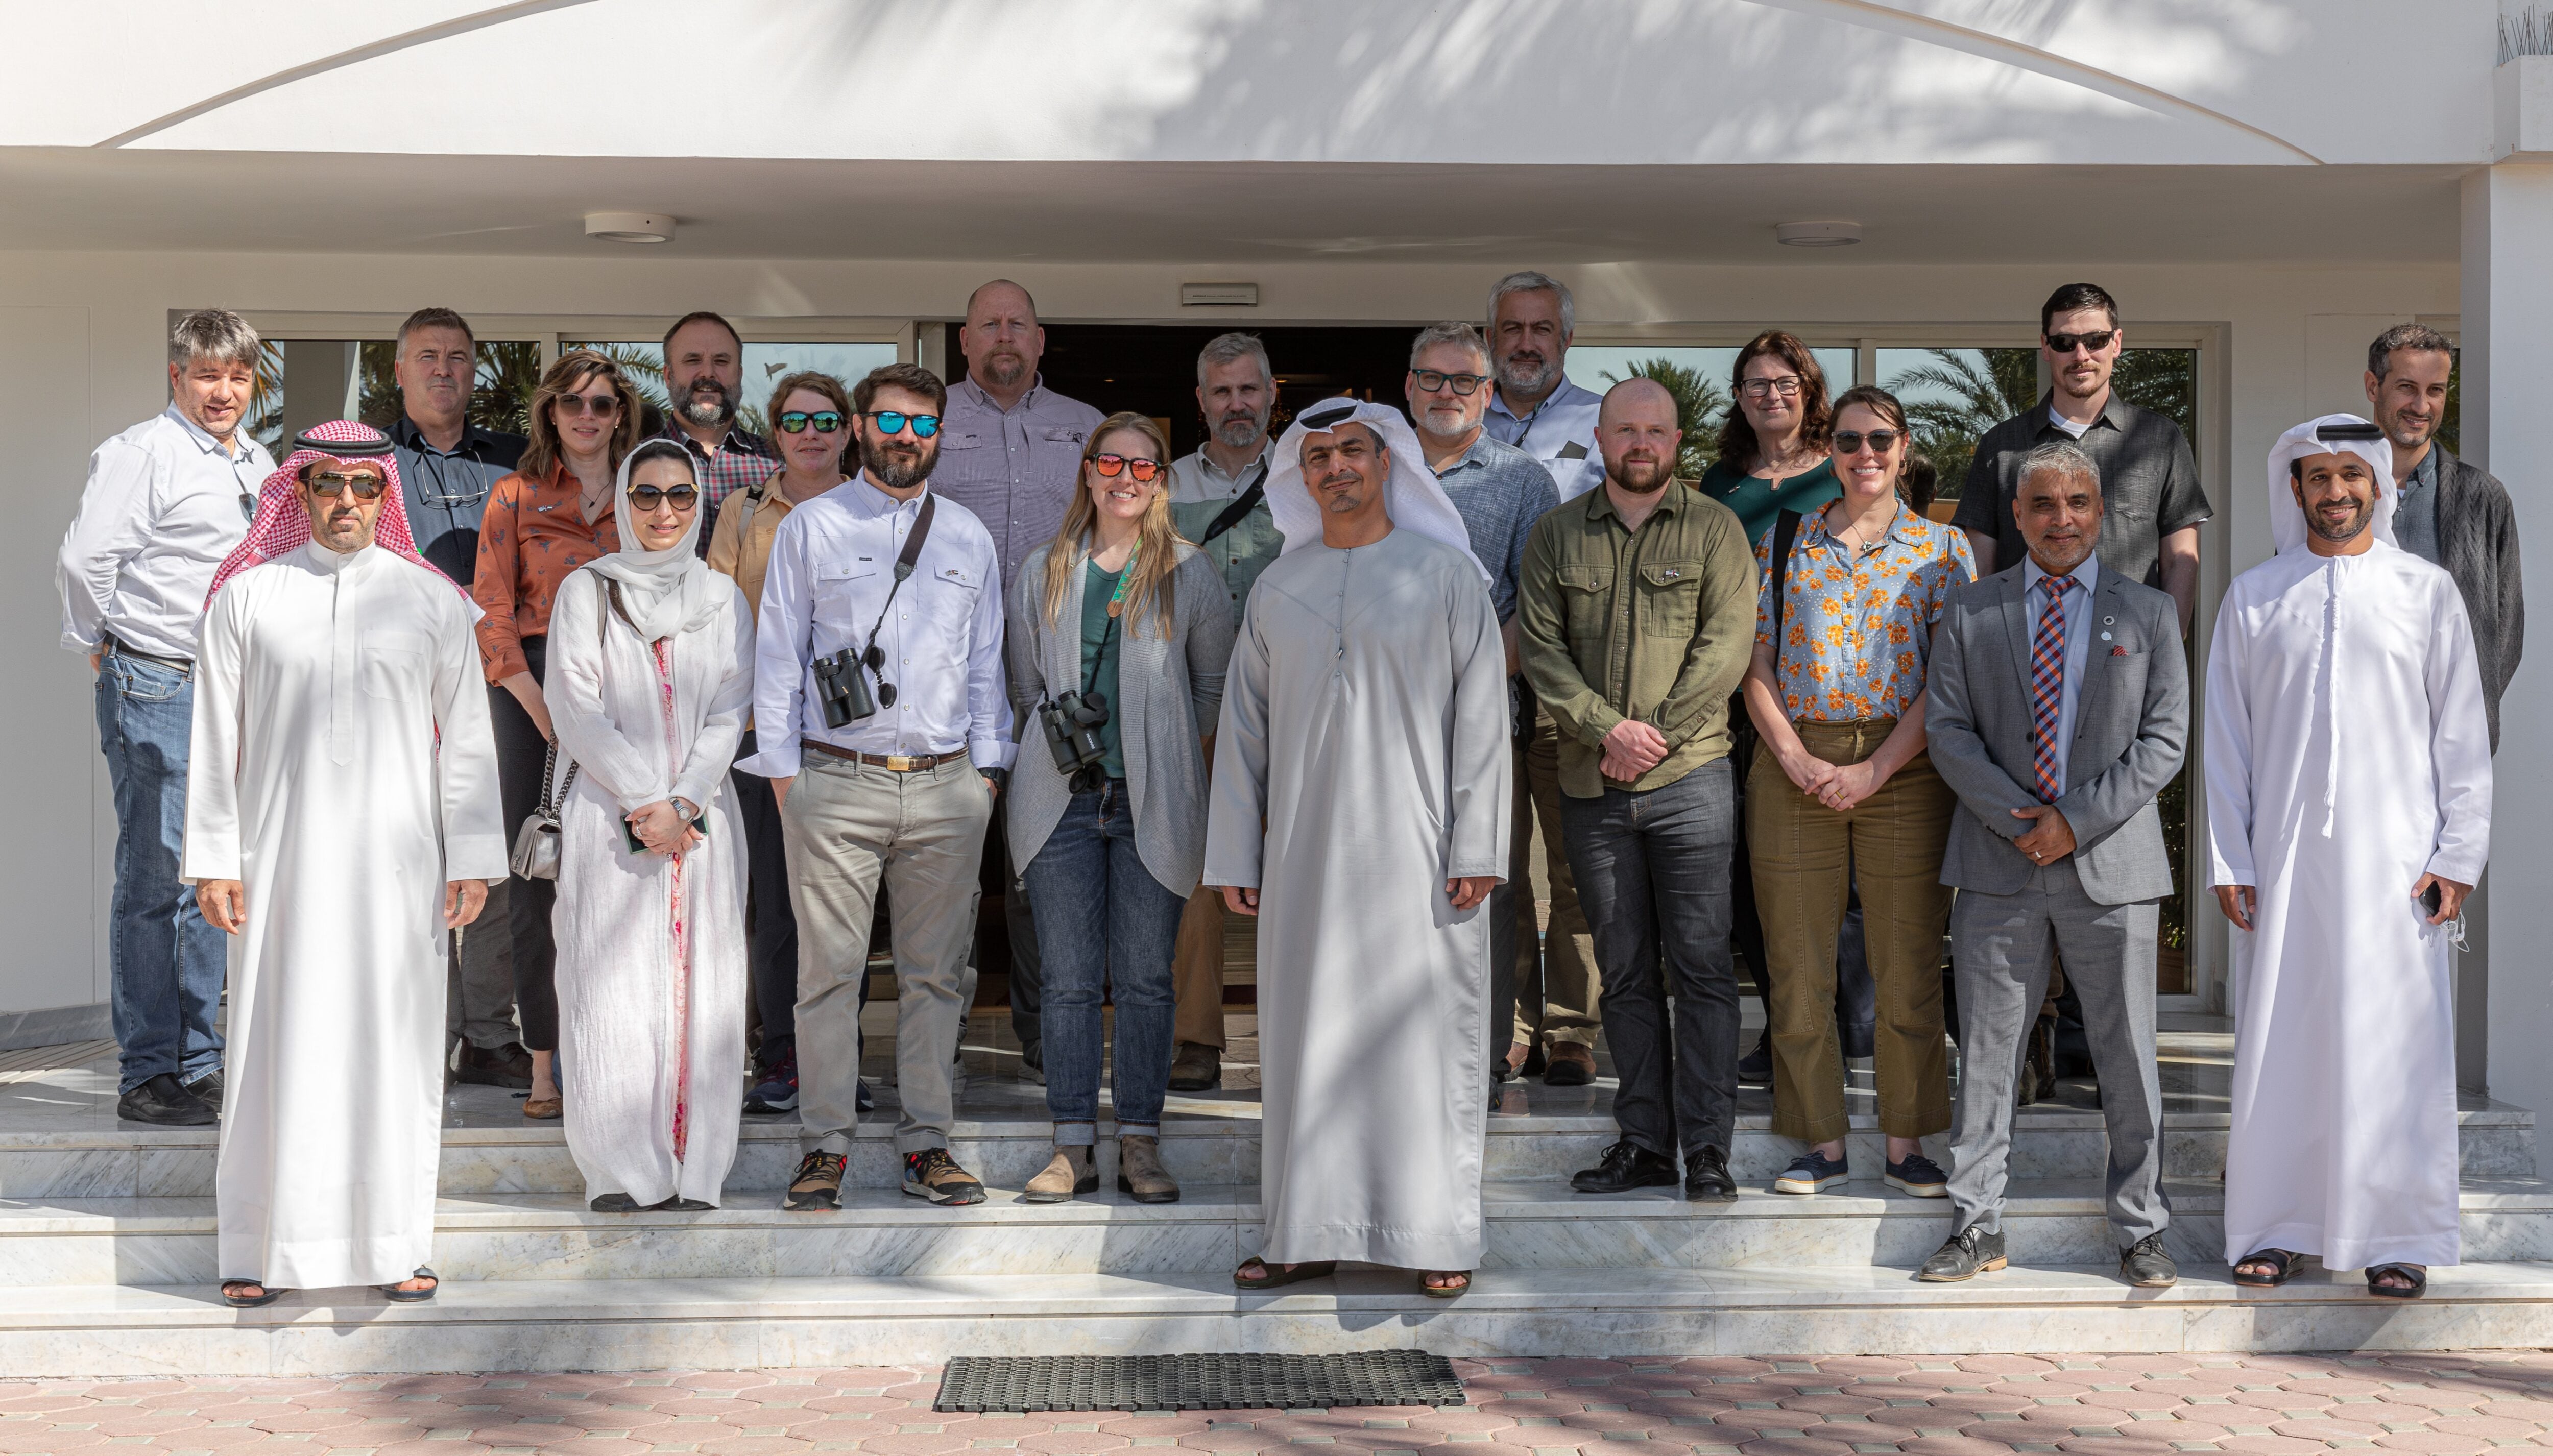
(1556, 981)
(850, 826)
(1890, 846)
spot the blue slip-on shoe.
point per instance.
(1919, 1176)
(1813, 1172)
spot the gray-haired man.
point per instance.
(2057, 708)
(1219, 500)
(1537, 407)
(166, 500)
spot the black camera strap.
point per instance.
(904, 563)
(1234, 513)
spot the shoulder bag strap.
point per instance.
(1233, 515)
(1786, 532)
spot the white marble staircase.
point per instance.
(106, 1255)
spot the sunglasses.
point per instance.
(796, 422)
(1850, 442)
(1788, 387)
(331, 483)
(649, 498)
(601, 407)
(1111, 466)
(2096, 341)
(893, 421)
(1432, 379)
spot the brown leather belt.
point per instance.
(890, 762)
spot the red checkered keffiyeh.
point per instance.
(282, 526)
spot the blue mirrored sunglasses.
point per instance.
(893, 421)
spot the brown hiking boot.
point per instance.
(1570, 1065)
(1139, 1171)
(1198, 1067)
(931, 1174)
(818, 1183)
(1074, 1170)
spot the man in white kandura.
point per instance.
(1360, 791)
(2349, 815)
(341, 822)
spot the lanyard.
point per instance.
(1108, 633)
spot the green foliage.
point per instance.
(501, 397)
(1699, 407)
(1957, 401)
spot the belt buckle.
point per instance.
(902, 763)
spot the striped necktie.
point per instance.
(2047, 690)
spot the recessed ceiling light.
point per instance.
(1818, 234)
(630, 227)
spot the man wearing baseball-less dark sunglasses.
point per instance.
(1010, 451)
(2152, 503)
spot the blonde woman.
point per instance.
(1119, 634)
(554, 514)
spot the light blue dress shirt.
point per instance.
(833, 564)
(2079, 643)
(1560, 432)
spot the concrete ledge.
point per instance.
(56, 1027)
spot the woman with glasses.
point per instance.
(1119, 635)
(550, 517)
(650, 673)
(1841, 789)
(810, 424)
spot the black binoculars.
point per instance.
(1073, 723)
(842, 686)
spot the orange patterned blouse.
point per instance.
(532, 536)
(1857, 630)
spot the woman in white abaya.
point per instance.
(651, 674)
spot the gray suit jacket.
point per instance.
(1168, 692)
(2130, 727)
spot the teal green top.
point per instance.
(1096, 593)
(1757, 502)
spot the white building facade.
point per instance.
(2268, 183)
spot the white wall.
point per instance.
(82, 335)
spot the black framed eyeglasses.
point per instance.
(893, 421)
(1145, 469)
(796, 422)
(1786, 385)
(649, 498)
(2095, 341)
(1432, 379)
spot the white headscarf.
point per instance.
(2287, 519)
(1412, 497)
(664, 592)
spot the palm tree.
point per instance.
(1699, 405)
(1962, 395)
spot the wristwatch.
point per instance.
(685, 809)
(1001, 777)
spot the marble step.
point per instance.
(761, 1323)
(878, 1234)
(1203, 1142)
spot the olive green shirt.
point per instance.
(1656, 626)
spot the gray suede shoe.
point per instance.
(1139, 1173)
(1072, 1170)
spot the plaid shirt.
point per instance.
(743, 459)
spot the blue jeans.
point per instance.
(167, 960)
(1652, 871)
(1101, 918)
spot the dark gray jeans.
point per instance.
(1652, 871)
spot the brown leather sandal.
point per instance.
(1276, 1276)
(1446, 1291)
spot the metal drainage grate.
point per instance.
(1026, 1383)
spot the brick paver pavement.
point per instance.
(1862, 1405)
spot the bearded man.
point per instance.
(1360, 797)
(2349, 815)
(704, 382)
(341, 823)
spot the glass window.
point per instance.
(1697, 377)
(1953, 396)
(764, 365)
(501, 397)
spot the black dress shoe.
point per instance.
(2145, 1264)
(1707, 1180)
(1627, 1166)
(167, 1102)
(209, 1087)
(615, 1203)
(509, 1066)
(1968, 1253)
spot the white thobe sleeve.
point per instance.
(1237, 806)
(2458, 743)
(587, 733)
(116, 513)
(1480, 757)
(2229, 753)
(473, 817)
(713, 748)
(212, 850)
(779, 672)
(988, 706)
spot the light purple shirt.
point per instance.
(1015, 469)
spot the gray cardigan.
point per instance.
(2477, 545)
(1168, 691)
(2131, 729)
